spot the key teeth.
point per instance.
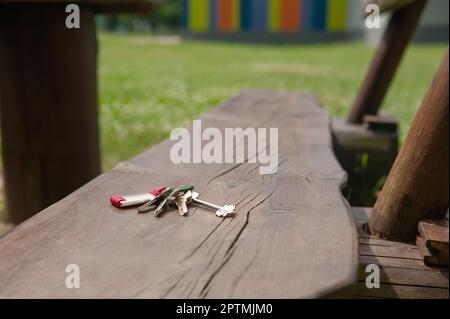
(226, 212)
(221, 213)
(144, 208)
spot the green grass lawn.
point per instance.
(147, 89)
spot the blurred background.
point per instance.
(161, 70)
(187, 56)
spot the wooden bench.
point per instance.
(293, 236)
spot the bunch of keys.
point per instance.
(163, 197)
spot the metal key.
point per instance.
(221, 211)
(148, 206)
(162, 206)
(162, 195)
(181, 201)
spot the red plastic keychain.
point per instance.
(133, 200)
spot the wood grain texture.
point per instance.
(293, 236)
(417, 186)
(431, 256)
(403, 273)
(435, 233)
(48, 105)
(390, 291)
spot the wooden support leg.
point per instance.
(48, 104)
(417, 186)
(387, 58)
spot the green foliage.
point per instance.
(167, 15)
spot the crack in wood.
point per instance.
(203, 241)
(230, 251)
(246, 268)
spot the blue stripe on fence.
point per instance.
(259, 18)
(184, 13)
(319, 15)
(212, 15)
(246, 14)
(307, 10)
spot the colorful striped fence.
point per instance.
(264, 15)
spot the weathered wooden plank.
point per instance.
(370, 240)
(409, 277)
(393, 251)
(431, 256)
(402, 271)
(293, 235)
(393, 262)
(435, 233)
(401, 291)
(361, 215)
(383, 252)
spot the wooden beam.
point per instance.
(102, 6)
(435, 233)
(386, 61)
(366, 152)
(48, 103)
(430, 256)
(417, 186)
(389, 5)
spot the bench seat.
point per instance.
(293, 236)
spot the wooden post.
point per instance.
(48, 104)
(387, 58)
(417, 186)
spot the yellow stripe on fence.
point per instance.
(236, 15)
(198, 15)
(274, 15)
(336, 15)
